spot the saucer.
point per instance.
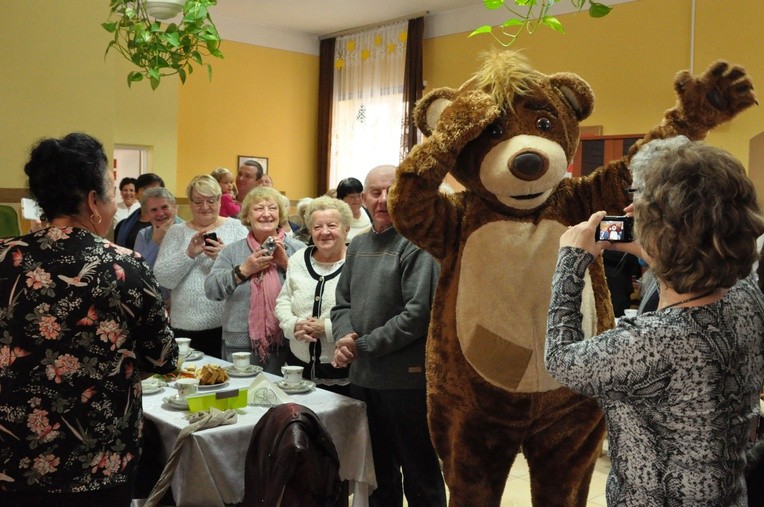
(176, 402)
(302, 387)
(193, 355)
(153, 390)
(251, 371)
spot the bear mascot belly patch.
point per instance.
(508, 135)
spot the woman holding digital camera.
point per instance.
(185, 259)
(680, 385)
(248, 276)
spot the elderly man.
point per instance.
(380, 325)
(248, 177)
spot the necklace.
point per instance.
(693, 298)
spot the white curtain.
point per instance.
(368, 108)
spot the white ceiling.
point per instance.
(296, 25)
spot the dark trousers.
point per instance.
(400, 440)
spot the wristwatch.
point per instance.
(237, 272)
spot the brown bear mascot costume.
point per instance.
(508, 135)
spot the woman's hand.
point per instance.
(256, 262)
(196, 245)
(280, 256)
(632, 247)
(302, 331)
(157, 235)
(213, 247)
(582, 235)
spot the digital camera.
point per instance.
(269, 245)
(616, 230)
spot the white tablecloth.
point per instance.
(211, 470)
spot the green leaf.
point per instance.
(110, 26)
(513, 22)
(553, 23)
(153, 73)
(482, 29)
(182, 75)
(597, 10)
(173, 39)
(154, 83)
(493, 4)
(209, 72)
(196, 56)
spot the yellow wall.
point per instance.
(263, 101)
(630, 58)
(260, 102)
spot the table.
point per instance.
(211, 468)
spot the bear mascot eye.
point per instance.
(495, 130)
(544, 124)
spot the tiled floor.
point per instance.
(518, 490)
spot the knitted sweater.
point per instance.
(384, 294)
(233, 297)
(184, 276)
(304, 292)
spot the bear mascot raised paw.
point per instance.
(508, 135)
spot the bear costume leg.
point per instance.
(563, 447)
(559, 431)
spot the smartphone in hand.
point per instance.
(210, 236)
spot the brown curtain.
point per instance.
(412, 83)
(325, 92)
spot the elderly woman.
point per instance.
(680, 385)
(248, 277)
(82, 322)
(350, 191)
(307, 296)
(185, 259)
(161, 209)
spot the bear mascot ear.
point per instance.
(429, 108)
(576, 92)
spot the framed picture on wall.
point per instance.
(263, 161)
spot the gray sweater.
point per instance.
(384, 294)
(221, 286)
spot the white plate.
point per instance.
(194, 355)
(153, 390)
(210, 387)
(175, 402)
(249, 372)
(302, 387)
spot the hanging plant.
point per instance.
(528, 15)
(159, 50)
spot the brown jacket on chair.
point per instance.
(291, 461)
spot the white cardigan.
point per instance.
(297, 299)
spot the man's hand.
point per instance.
(345, 351)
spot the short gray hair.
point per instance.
(324, 203)
(648, 153)
(160, 192)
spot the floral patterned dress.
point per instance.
(679, 387)
(80, 319)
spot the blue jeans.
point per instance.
(400, 440)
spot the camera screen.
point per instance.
(612, 230)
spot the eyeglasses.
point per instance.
(630, 192)
(210, 202)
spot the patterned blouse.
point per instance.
(679, 387)
(80, 319)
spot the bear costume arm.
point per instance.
(429, 218)
(703, 102)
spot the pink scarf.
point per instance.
(264, 329)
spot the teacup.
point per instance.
(150, 384)
(292, 374)
(184, 345)
(241, 360)
(187, 386)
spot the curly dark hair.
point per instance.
(61, 173)
(127, 181)
(697, 217)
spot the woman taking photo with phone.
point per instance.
(680, 385)
(248, 275)
(185, 259)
